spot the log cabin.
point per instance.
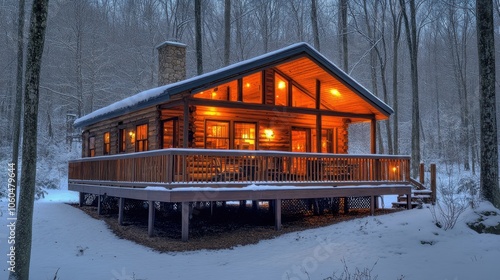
(272, 127)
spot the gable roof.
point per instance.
(162, 94)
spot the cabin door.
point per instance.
(170, 131)
(301, 140)
(301, 143)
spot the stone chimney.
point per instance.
(171, 62)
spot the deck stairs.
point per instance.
(419, 195)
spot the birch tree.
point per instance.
(31, 98)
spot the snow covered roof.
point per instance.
(162, 94)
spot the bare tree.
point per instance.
(199, 48)
(19, 91)
(489, 139)
(396, 17)
(227, 31)
(343, 34)
(411, 38)
(314, 21)
(31, 98)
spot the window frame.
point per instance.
(142, 142)
(106, 145)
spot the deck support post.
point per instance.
(277, 214)
(81, 198)
(151, 218)
(185, 220)
(373, 135)
(346, 205)
(372, 205)
(121, 204)
(408, 201)
(255, 205)
(99, 206)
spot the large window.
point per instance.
(244, 136)
(217, 135)
(252, 88)
(280, 90)
(141, 141)
(91, 146)
(301, 99)
(107, 144)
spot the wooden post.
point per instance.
(346, 205)
(121, 203)
(151, 218)
(99, 202)
(277, 214)
(81, 198)
(372, 205)
(185, 221)
(373, 135)
(422, 173)
(408, 201)
(433, 183)
(185, 131)
(255, 205)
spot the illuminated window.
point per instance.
(280, 90)
(302, 99)
(227, 91)
(217, 135)
(122, 145)
(141, 143)
(244, 136)
(107, 144)
(252, 88)
(91, 146)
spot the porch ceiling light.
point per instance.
(335, 92)
(281, 84)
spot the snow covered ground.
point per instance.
(396, 246)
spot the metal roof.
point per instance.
(162, 94)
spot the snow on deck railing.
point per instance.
(220, 166)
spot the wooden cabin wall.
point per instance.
(129, 122)
(280, 122)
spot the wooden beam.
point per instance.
(185, 137)
(151, 218)
(121, 204)
(373, 135)
(185, 221)
(99, 202)
(277, 214)
(319, 129)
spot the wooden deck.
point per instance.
(194, 175)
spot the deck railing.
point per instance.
(181, 167)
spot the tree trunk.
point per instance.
(199, 49)
(31, 97)
(314, 21)
(19, 93)
(343, 34)
(489, 141)
(396, 22)
(411, 37)
(227, 31)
